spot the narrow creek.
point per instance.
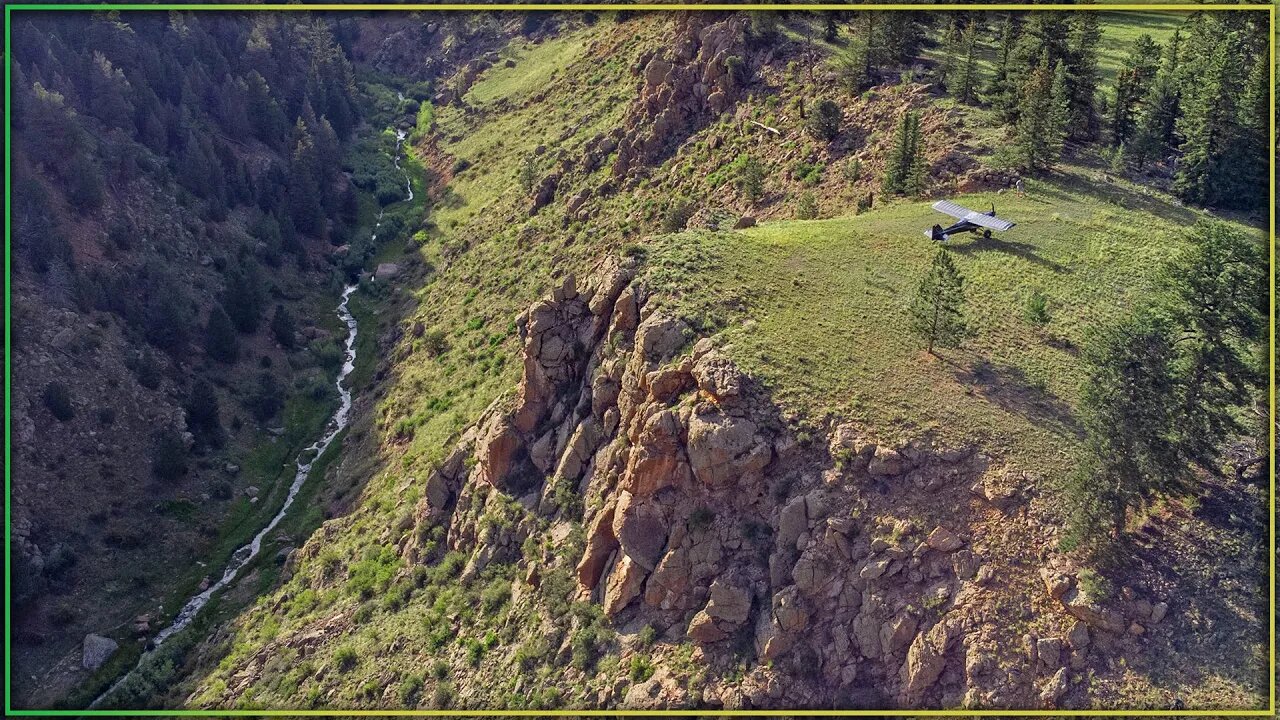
(306, 459)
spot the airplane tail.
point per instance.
(935, 234)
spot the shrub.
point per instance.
(268, 399)
(824, 122)
(168, 456)
(852, 171)
(1036, 311)
(434, 342)
(647, 635)
(495, 595)
(443, 695)
(409, 689)
(677, 216)
(641, 669)
(1094, 584)
(345, 658)
(58, 400)
(807, 207)
(809, 173)
(145, 369)
(700, 518)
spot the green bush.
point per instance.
(701, 518)
(648, 634)
(1095, 585)
(677, 216)
(807, 207)
(345, 658)
(641, 669)
(824, 122)
(495, 595)
(1036, 310)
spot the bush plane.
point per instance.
(970, 221)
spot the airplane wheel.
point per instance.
(986, 234)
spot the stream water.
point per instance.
(306, 459)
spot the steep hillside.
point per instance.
(174, 336)
(641, 422)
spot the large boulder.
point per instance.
(640, 529)
(656, 460)
(724, 450)
(1079, 604)
(726, 611)
(944, 540)
(623, 585)
(926, 659)
(729, 603)
(601, 545)
(97, 651)
(659, 336)
(496, 452)
(719, 378)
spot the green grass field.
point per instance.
(827, 302)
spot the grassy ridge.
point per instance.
(825, 308)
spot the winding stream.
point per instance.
(306, 459)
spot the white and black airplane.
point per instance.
(967, 221)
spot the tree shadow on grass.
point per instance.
(1018, 249)
(1114, 192)
(1008, 388)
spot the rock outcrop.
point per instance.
(703, 517)
(684, 87)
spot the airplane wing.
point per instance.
(961, 212)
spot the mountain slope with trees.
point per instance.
(646, 421)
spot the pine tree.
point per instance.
(905, 170)
(824, 122)
(1133, 82)
(305, 182)
(1253, 146)
(1206, 128)
(1126, 407)
(1082, 75)
(1002, 91)
(937, 311)
(283, 327)
(1219, 304)
(203, 417)
(244, 298)
(1042, 120)
(528, 175)
(220, 341)
(1160, 108)
(950, 39)
(968, 70)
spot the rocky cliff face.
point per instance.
(684, 86)
(842, 571)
